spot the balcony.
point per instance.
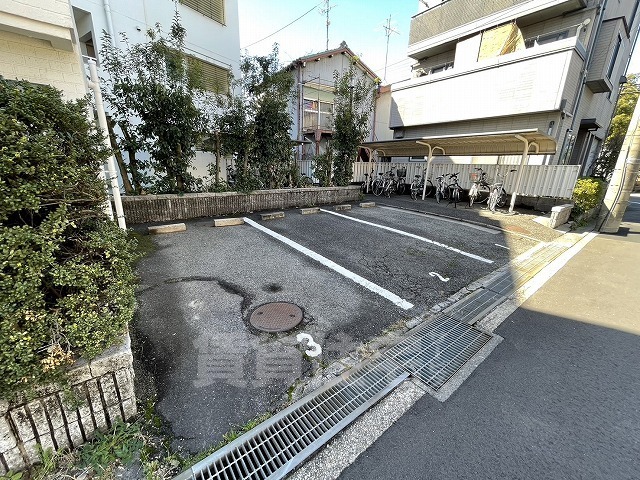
(455, 19)
(537, 79)
(314, 121)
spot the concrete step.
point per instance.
(368, 204)
(271, 215)
(346, 206)
(172, 228)
(310, 210)
(228, 222)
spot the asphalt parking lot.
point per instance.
(353, 273)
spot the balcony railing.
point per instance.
(314, 121)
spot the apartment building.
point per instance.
(494, 69)
(37, 44)
(312, 107)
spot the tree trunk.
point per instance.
(128, 189)
(179, 176)
(133, 161)
(217, 158)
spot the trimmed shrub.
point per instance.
(66, 278)
(587, 194)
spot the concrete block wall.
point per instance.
(162, 208)
(103, 394)
(37, 61)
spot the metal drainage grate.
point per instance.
(474, 306)
(277, 446)
(438, 350)
(276, 317)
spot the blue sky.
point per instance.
(358, 22)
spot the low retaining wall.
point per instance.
(104, 394)
(162, 208)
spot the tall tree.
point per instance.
(154, 92)
(627, 100)
(353, 104)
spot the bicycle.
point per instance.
(417, 186)
(378, 185)
(442, 188)
(390, 184)
(479, 188)
(367, 184)
(498, 195)
(455, 189)
(401, 182)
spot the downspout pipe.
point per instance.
(94, 84)
(110, 29)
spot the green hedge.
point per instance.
(587, 194)
(66, 278)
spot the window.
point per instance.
(213, 9)
(214, 78)
(442, 68)
(614, 57)
(317, 114)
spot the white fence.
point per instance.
(537, 180)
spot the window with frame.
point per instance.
(614, 57)
(317, 114)
(213, 78)
(213, 9)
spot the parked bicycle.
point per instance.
(417, 186)
(402, 179)
(480, 188)
(442, 188)
(455, 189)
(367, 184)
(498, 195)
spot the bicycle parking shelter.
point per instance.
(511, 142)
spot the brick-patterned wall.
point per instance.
(37, 61)
(104, 394)
(160, 208)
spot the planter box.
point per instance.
(104, 388)
(163, 208)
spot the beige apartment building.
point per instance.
(502, 71)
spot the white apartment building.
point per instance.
(492, 74)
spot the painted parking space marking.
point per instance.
(502, 246)
(383, 292)
(436, 274)
(493, 231)
(411, 235)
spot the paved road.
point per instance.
(558, 398)
(210, 370)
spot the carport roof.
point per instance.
(485, 143)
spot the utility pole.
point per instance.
(325, 11)
(388, 32)
(616, 200)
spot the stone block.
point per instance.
(368, 204)
(54, 411)
(109, 393)
(228, 222)
(124, 381)
(60, 436)
(31, 450)
(271, 215)
(14, 459)
(75, 433)
(310, 210)
(129, 407)
(171, 228)
(559, 215)
(79, 373)
(115, 414)
(7, 439)
(20, 419)
(345, 206)
(111, 360)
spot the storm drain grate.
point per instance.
(474, 306)
(437, 351)
(278, 445)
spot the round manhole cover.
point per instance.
(276, 317)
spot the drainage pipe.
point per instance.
(94, 84)
(107, 14)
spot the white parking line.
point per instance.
(493, 231)
(411, 235)
(392, 297)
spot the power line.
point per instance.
(287, 25)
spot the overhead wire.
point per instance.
(287, 25)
